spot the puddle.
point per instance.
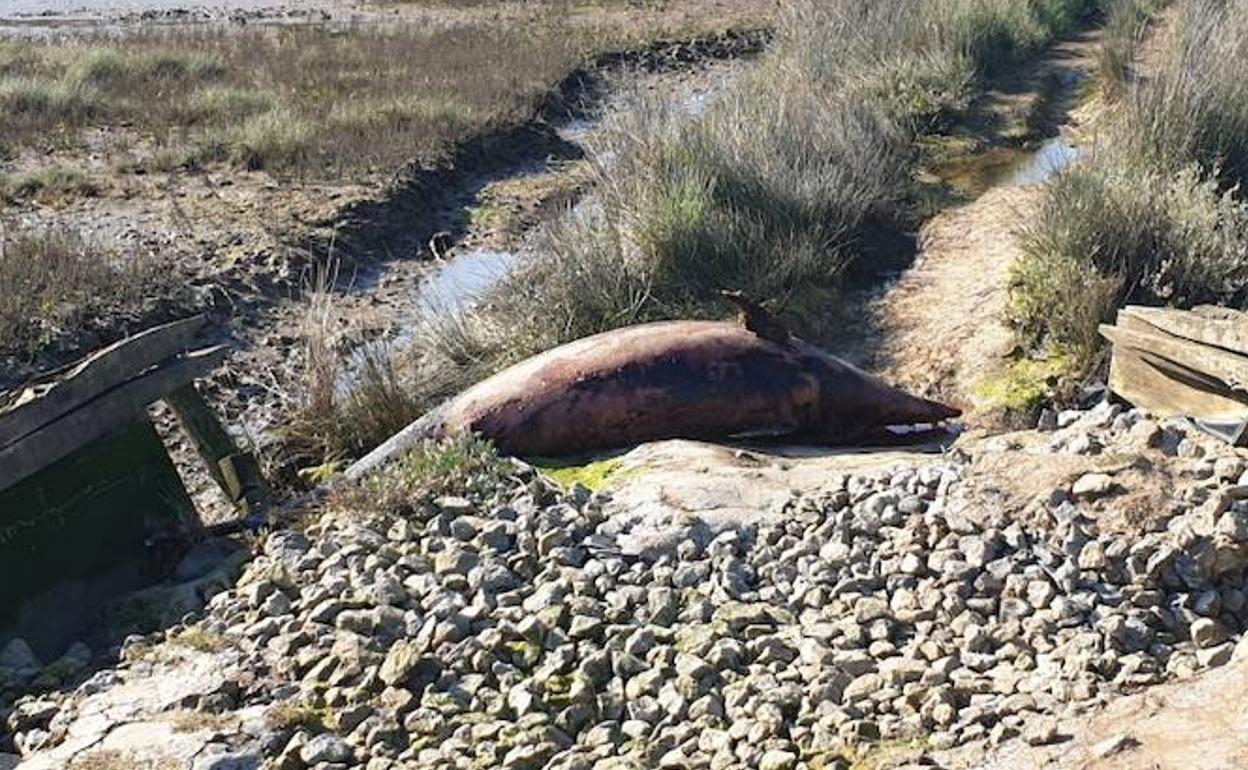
(974, 175)
(1053, 156)
(463, 280)
(457, 285)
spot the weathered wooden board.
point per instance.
(1219, 327)
(106, 412)
(95, 374)
(1230, 368)
(76, 534)
(1178, 363)
(236, 472)
(1167, 390)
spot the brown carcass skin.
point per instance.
(678, 379)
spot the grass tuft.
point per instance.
(53, 280)
(344, 413)
(273, 140)
(50, 184)
(464, 466)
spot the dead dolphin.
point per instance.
(673, 379)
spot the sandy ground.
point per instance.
(943, 324)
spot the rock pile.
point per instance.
(507, 631)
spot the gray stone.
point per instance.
(1207, 632)
(775, 759)
(1040, 731)
(529, 757)
(326, 748)
(1114, 745)
(1092, 486)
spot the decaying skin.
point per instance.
(681, 379)
(674, 379)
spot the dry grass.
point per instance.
(54, 280)
(289, 716)
(1125, 24)
(354, 101)
(310, 100)
(116, 760)
(341, 411)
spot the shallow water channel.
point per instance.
(464, 279)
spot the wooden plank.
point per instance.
(1170, 390)
(95, 374)
(106, 412)
(237, 473)
(245, 481)
(1230, 368)
(1219, 327)
(211, 441)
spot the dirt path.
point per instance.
(940, 328)
(942, 325)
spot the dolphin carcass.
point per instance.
(676, 379)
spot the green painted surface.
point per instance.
(82, 522)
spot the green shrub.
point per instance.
(1155, 215)
(1113, 234)
(462, 466)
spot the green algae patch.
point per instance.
(1024, 384)
(593, 475)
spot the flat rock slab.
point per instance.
(133, 718)
(667, 491)
(1192, 725)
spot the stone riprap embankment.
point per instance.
(510, 631)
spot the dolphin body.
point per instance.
(710, 380)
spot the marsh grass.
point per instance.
(54, 279)
(342, 413)
(1156, 215)
(323, 101)
(1125, 25)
